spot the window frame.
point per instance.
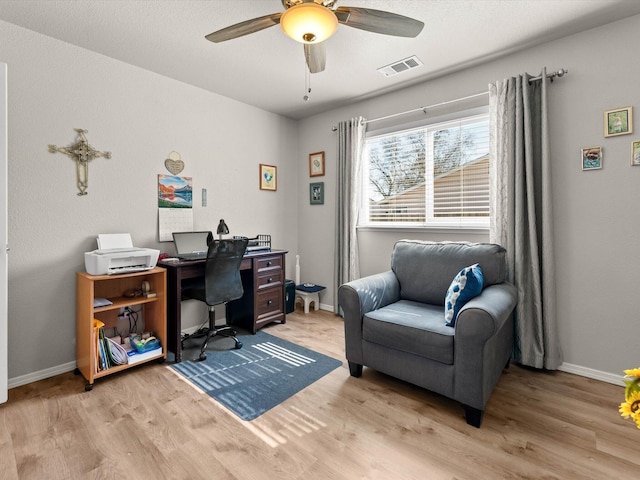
(442, 225)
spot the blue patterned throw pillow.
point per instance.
(467, 284)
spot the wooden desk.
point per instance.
(263, 301)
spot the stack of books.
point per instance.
(135, 356)
(110, 352)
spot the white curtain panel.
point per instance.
(521, 212)
(348, 199)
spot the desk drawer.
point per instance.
(273, 278)
(268, 263)
(269, 303)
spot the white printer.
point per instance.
(116, 254)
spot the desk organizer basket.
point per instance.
(261, 242)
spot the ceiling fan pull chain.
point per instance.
(307, 83)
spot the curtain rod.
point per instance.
(560, 73)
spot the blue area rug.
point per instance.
(263, 373)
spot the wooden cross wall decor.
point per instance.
(82, 153)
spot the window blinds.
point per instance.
(437, 174)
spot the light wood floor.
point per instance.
(146, 423)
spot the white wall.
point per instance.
(596, 215)
(140, 117)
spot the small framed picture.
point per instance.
(316, 164)
(618, 122)
(635, 153)
(316, 193)
(268, 177)
(591, 158)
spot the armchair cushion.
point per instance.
(466, 285)
(411, 327)
(424, 269)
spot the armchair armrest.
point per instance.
(483, 343)
(485, 314)
(359, 297)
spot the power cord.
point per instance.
(199, 330)
(133, 319)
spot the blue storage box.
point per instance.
(145, 345)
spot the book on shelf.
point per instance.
(108, 354)
(140, 357)
(136, 357)
(97, 346)
(117, 353)
(101, 302)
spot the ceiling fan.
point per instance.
(311, 22)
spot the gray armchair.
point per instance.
(395, 322)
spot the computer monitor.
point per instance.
(192, 245)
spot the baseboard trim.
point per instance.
(327, 307)
(323, 306)
(41, 375)
(68, 367)
(591, 373)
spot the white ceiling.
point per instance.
(267, 69)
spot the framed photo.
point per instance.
(635, 153)
(268, 177)
(316, 164)
(316, 193)
(591, 158)
(618, 122)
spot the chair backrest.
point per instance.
(425, 269)
(222, 281)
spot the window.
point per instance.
(433, 175)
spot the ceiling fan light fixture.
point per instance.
(309, 22)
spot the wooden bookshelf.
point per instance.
(113, 287)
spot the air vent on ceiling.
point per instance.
(401, 66)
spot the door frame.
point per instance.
(4, 247)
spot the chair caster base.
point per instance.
(238, 344)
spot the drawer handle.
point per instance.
(269, 302)
(270, 280)
(269, 263)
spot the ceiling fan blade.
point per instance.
(379, 21)
(316, 56)
(244, 28)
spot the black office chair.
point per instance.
(222, 283)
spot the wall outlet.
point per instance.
(123, 313)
